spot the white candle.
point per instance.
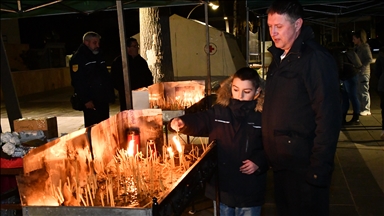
(171, 154)
(131, 148)
(179, 149)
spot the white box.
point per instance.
(140, 99)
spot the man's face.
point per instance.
(133, 49)
(283, 32)
(356, 40)
(93, 44)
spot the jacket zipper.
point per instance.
(246, 145)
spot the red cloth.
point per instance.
(11, 163)
(9, 182)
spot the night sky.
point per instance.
(69, 29)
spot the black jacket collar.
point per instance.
(86, 51)
(241, 108)
(305, 35)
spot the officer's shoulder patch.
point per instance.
(75, 67)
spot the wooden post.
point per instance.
(124, 57)
(8, 89)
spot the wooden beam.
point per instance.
(8, 88)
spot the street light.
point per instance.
(214, 6)
(226, 24)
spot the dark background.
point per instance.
(69, 29)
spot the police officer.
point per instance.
(91, 79)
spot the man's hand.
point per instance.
(248, 167)
(90, 105)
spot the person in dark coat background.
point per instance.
(301, 117)
(234, 123)
(139, 73)
(348, 64)
(91, 79)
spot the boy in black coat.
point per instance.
(235, 124)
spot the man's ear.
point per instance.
(298, 24)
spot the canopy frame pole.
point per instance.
(124, 56)
(8, 88)
(208, 86)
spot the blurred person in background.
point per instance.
(349, 65)
(139, 73)
(359, 39)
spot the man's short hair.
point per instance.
(292, 8)
(88, 35)
(129, 41)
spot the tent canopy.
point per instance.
(330, 8)
(314, 8)
(31, 8)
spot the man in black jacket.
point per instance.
(302, 113)
(91, 79)
(139, 73)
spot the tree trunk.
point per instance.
(155, 42)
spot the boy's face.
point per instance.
(243, 90)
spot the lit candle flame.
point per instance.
(177, 143)
(131, 148)
(169, 149)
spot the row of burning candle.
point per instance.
(151, 151)
(129, 178)
(177, 103)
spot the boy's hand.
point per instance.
(177, 124)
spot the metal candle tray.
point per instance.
(48, 166)
(172, 203)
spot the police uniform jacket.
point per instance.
(90, 77)
(302, 113)
(236, 129)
